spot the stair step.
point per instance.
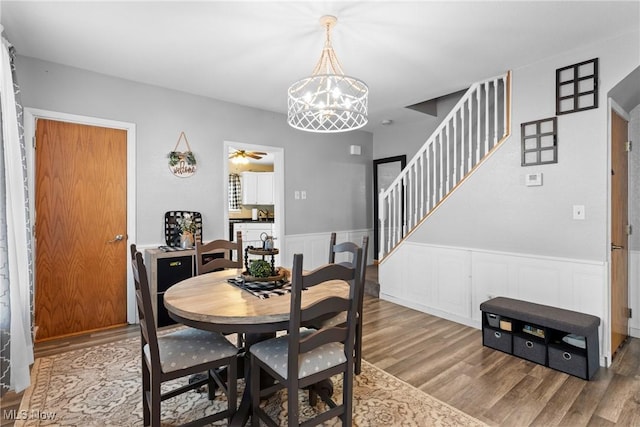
(371, 285)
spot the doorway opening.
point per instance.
(255, 211)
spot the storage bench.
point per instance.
(561, 339)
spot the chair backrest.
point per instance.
(224, 247)
(143, 301)
(344, 334)
(351, 248)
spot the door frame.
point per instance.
(30, 117)
(612, 106)
(278, 174)
(402, 158)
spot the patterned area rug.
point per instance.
(101, 386)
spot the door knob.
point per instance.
(117, 238)
(613, 247)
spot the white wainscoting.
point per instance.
(634, 293)
(452, 282)
(315, 247)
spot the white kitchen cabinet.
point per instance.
(257, 188)
(251, 232)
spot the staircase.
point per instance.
(478, 124)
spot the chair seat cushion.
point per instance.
(188, 347)
(274, 353)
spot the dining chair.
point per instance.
(349, 247)
(220, 246)
(180, 353)
(304, 357)
(205, 263)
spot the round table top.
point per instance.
(210, 302)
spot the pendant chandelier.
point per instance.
(328, 101)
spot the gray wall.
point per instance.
(495, 210)
(408, 136)
(338, 185)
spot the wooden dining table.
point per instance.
(211, 303)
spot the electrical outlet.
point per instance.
(296, 195)
(303, 195)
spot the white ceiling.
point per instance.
(249, 52)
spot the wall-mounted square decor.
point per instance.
(539, 142)
(577, 87)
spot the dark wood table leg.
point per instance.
(244, 409)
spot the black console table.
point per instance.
(561, 339)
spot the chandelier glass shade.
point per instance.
(328, 101)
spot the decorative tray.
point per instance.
(281, 274)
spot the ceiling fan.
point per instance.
(242, 154)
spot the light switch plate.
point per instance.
(533, 179)
(578, 212)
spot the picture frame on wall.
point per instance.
(539, 142)
(577, 87)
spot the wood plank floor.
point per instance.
(447, 360)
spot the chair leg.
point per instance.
(155, 399)
(146, 393)
(313, 396)
(211, 385)
(347, 397)
(292, 403)
(358, 349)
(232, 383)
(255, 392)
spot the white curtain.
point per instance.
(17, 246)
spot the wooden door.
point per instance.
(80, 202)
(619, 236)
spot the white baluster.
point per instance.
(394, 218)
(479, 123)
(381, 218)
(403, 208)
(409, 202)
(390, 221)
(462, 133)
(447, 157)
(486, 117)
(441, 167)
(416, 184)
(422, 183)
(434, 176)
(470, 154)
(504, 105)
(455, 149)
(396, 202)
(495, 112)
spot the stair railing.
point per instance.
(475, 127)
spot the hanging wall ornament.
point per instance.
(182, 163)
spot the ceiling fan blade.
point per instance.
(259, 153)
(253, 156)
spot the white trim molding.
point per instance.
(451, 283)
(315, 246)
(634, 293)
